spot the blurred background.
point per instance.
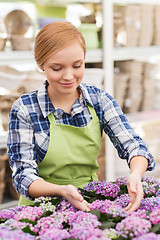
(123, 58)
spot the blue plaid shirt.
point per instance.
(29, 134)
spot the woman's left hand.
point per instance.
(135, 191)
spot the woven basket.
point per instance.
(20, 43)
(2, 43)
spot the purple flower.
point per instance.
(133, 227)
(139, 213)
(7, 234)
(148, 236)
(103, 188)
(7, 213)
(121, 181)
(109, 208)
(31, 213)
(55, 234)
(150, 203)
(151, 180)
(81, 218)
(155, 216)
(86, 233)
(148, 189)
(45, 223)
(123, 200)
(65, 205)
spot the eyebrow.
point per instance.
(59, 64)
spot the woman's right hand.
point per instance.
(74, 197)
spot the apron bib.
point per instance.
(72, 154)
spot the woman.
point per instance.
(55, 132)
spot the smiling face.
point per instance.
(64, 70)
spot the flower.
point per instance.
(31, 213)
(151, 180)
(148, 236)
(17, 234)
(110, 233)
(65, 205)
(123, 200)
(85, 233)
(7, 213)
(155, 216)
(121, 181)
(103, 188)
(46, 223)
(109, 208)
(132, 227)
(81, 218)
(55, 234)
(148, 189)
(150, 203)
(139, 213)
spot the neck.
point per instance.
(64, 102)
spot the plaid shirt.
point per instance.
(29, 134)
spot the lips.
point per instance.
(67, 84)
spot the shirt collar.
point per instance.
(46, 104)
(85, 94)
(44, 101)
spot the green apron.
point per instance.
(72, 154)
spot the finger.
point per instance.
(132, 188)
(128, 206)
(75, 194)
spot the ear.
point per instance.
(41, 67)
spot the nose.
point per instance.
(68, 74)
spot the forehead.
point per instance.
(73, 52)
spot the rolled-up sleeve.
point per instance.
(21, 148)
(122, 135)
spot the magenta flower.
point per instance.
(155, 216)
(148, 236)
(55, 234)
(139, 213)
(150, 203)
(65, 205)
(121, 181)
(109, 208)
(123, 200)
(7, 213)
(151, 180)
(31, 213)
(45, 223)
(131, 227)
(85, 233)
(103, 188)
(7, 234)
(81, 218)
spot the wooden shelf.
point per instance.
(27, 57)
(124, 2)
(141, 53)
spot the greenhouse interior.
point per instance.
(108, 188)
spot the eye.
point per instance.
(77, 66)
(56, 69)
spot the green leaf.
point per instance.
(108, 224)
(28, 221)
(46, 214)
(96, 212)
(28, 230)
(2, 220)
(156, 228)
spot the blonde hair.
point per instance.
(53, 38)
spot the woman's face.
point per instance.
(65, 69)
